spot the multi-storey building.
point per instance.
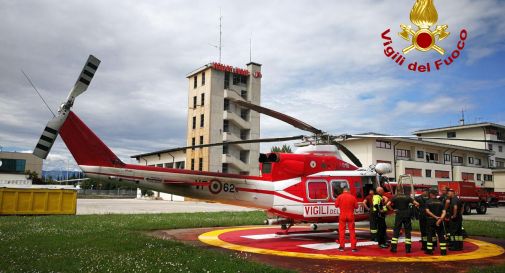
(427, 162)
(214, 117)
(483, 131)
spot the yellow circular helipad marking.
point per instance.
(484, 250)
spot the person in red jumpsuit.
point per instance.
(347, 204)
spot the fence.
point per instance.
(119, 193)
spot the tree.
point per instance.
(284, 149)
(34, 177)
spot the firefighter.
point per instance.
(368, 204)
(423, 224)
(347, 204)
(379, 211)
(401, 204)
(456, 221)
(436, 213)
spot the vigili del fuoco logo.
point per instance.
(424, 16)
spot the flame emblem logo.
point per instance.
(424, 15)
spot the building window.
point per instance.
(479, 177)
(432, 157)
(192, 164)
(195, 81)
(226, 126)
(202, 120)
(203, 99)
(244, 156)
(224, 168)
(244, 134)
(200, 164)
(447, 157)
(488, 177)
(194, 123)
(403, 153)
(478, 161)
(491, 163)
(467, 176)
(203, 78)
(420, 154)
(243, 94)
(225, 149)
(383, 161)
(451, 134)
(244, 114)
(318, 190)
(383, 144)
(470, 160)
(500, 149)
(194, 102)
(226, 80)
(239, 79)
(201, 139)
(500, 164)
(427, 173)
(457, 159)
(193, 143)
(490, 147)
(414, 172)
(226, 104)
(441, 174)
(14, 166)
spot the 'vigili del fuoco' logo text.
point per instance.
(424, 16)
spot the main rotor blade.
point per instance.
(280, 116)
(348, 153)
(422, 138)
(273, 139)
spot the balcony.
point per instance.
(233, 117)
(232, 94)
(227, 137)
(235, 162)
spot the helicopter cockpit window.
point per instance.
(338, 186)
(266, 167)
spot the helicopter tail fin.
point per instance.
(85, 146)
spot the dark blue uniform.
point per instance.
(402, 204)
(436, 207)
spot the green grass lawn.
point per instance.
(116, 243)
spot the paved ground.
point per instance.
(190, 236)
(494, 214)
(132, 206)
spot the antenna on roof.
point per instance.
(250, 48)
(219, 46)
(462, 120)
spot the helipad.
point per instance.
(304, 244)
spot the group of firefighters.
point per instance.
(440, 219)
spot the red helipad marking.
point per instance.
(322, 245)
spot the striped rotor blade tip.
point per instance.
(87, 74)
(45, 143)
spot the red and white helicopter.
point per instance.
(292, 188)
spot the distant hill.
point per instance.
(61, 174)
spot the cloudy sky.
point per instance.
(323, 63)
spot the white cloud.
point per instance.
(322, 62)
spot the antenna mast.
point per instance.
(220, 33)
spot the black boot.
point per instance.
(443, 252)
(393, 248)
(408, 248)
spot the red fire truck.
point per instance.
(468, 193)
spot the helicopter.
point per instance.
(299, 187)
